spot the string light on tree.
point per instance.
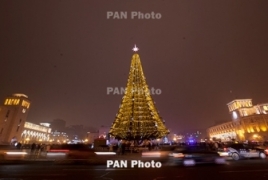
(137, 118)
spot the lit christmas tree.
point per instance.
(137, 118)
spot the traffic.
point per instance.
(184, 154)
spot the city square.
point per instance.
(133, 90)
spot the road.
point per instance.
(242, 169)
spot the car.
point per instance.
(194, 155)
(10, 152)
(163, 155)
(223, 152)
(240, 150)
(72, 151)
(262, 145)
(266, 151)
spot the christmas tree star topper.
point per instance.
(135, 49)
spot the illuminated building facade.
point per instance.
(13, 125)
(35, 133)
(13, 114)
(58, 134)
(249, 122)
(58, 137)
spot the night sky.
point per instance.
(201, 54)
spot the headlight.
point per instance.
(178, 155)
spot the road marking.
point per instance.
(102, 177)
(32, 175)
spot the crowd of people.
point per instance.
(38, 148)
(132, 146)
(35, 148)
(122, 146)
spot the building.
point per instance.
(58, 131)
(35, 133)
(58, 137)
(104, 132)
(91, 136)
(13, 115)
(13, 124)
(249, 122)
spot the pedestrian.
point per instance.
(38, 148)
(123, 147)
(18, 145)
(47, 147)
(33, 146)
(149, 146)
(119, 150)
(131, 146)
(111, 147)
(216, 146)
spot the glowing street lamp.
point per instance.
(255, 136)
